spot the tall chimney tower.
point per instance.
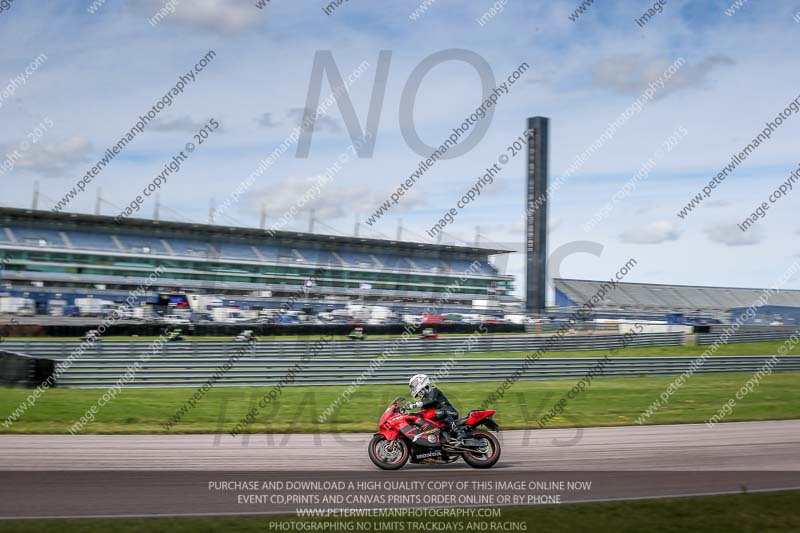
(536, 214)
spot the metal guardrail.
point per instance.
(365, 348)
(704, 339)
(751, 328)
(264, 371)
(556, 325)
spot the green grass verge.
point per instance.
(608, 402)
(763, 512)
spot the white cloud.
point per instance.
(323, 122)
(180, 124)
(653, 233)
(729, 234)
(630, 73)
(223, 16)
(266, 121)
(52, 159)
(334, 200)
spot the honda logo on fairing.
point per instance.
(431, 454)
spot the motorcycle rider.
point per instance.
(430, 397)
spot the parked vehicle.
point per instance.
(56, 307)
(433, 319)
(228, 315)
(286, 319)
(125, 312)
(516, 319)
(17, 306)
(176, 319)
(94, 306)
(142, 313)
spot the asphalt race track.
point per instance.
(149, 475)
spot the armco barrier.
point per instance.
(750, 328)
(19, 370)
(747, 336)
(579, 326)
(352, 348)
(262, 371)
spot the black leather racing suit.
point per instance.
(445, 412)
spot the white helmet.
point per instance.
(418, 384)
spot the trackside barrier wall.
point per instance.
(747, 336)
(258, 371)
(19, 370)
(355, 348)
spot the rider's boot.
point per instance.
(457, 434)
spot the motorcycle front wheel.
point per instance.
(388, 454)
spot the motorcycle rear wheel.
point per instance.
(488, 455)
(388, 455)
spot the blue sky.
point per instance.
(104, 69)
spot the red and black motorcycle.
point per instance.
(417, 436)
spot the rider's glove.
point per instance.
(411, 406)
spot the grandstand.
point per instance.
(721, 303)
(64, 255)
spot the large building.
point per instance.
(46, 256)
(653, 299)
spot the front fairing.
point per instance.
(388, 418)
(387, 414)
